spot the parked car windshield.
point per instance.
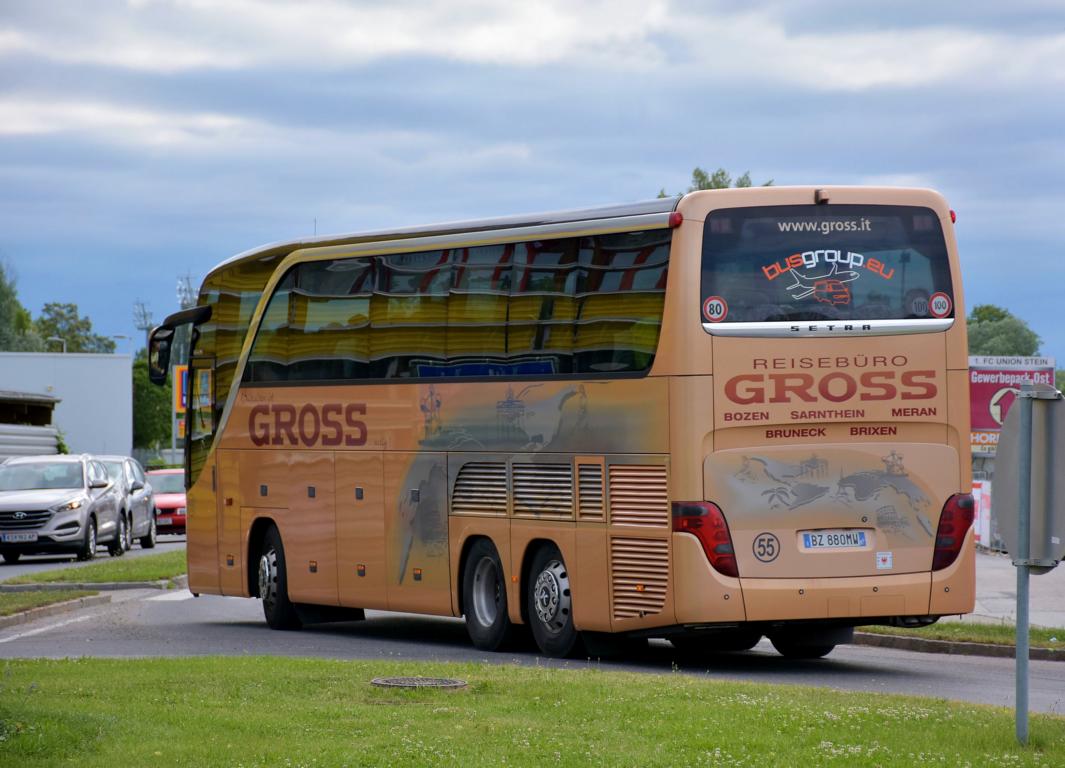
(40, 476)
(168, 483)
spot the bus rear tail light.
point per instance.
(705, 521)
(954, 523)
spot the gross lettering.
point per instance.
(310, 425)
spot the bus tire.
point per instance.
(810, 643)
(484, 598)
(279, 611)
(549, 604)
(791, 650)
(710, 643)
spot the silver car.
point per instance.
(138, 504)
(64, 504)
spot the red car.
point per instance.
(169, 488)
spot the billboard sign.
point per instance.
(993, 386)
(181, 388)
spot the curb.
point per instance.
(51, 610)
(178, 582)
(952, 647)
(103, 586)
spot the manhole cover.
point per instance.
(417, 682)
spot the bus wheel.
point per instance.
(484, 598)
(724, 642)
(789, 650)
(279, 611)
(550, 604)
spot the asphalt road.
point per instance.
(146, 623)
(34, 563)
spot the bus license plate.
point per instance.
(833, 539)
(17, 538)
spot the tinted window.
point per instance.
(824, 262)
(590, 305)
(25, 477)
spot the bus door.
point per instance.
(201, 476)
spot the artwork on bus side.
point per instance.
(532, 417)
(420, 533)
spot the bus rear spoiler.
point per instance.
(163, 335)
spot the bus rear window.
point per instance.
(824, 263)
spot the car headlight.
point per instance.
(179, 511)
(74, 504)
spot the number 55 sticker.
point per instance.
(766, 547)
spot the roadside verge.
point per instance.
(43, 611)
(953, 647)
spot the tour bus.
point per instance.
(734, 414)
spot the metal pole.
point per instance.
(1024, 511)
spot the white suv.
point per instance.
(62, 504)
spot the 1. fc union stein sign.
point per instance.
(993, 385)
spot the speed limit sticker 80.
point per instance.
(715, 309)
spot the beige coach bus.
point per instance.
(734, 414)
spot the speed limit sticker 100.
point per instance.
(939, 304)
(715, 309)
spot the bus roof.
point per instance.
(660, 205)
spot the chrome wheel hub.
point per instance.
(268, 577)
(551, 596)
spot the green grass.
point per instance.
(16, 602)
(970, 632)
(257, 711)
(147, 568)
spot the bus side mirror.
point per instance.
(159, 354)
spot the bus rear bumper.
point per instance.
(836, 598)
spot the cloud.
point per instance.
(180, 35)
(686, 40)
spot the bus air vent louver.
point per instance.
(480, 489)
(638, 495)
(543, 490)
(639, 575)
(590, 492)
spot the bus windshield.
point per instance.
(824, 262)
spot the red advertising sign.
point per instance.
(993, 386)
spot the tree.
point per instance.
(152, 406)
(16, 325)
(719, 179)
(995, 331)
(63, 321)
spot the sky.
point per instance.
(144, 140)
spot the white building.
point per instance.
(95, 412)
